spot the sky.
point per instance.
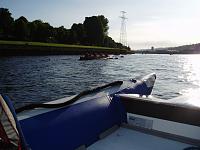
(158, 23)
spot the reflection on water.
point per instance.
(45, 78)
(191, 75)
(191, 72)
(194, 97)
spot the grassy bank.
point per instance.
(38, 48)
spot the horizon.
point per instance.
(150, 23)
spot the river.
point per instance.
(28, 79)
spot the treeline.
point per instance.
(93, 31)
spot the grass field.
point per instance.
(51, 44)
(14, 48)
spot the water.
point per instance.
(30, 79)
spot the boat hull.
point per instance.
(80, 122)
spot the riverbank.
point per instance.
(14, 48)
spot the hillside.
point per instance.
(184, 49)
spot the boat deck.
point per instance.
(129, 139)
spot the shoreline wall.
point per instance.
(23, 50)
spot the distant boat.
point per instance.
(91, 56)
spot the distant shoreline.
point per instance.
(184, 49)
(23, 48)
(167, 52)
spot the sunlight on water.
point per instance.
(191, 98)
(46, 78)
(192, 68)
(191, 73)
(194, 97)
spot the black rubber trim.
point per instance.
(77, 97)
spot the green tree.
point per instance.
(33, 31)
(94, 31)
(61, 35)
(78, 33)
(21, 29)
(73, 38)
(6, 22)
(47, 32)
(40, 31)
(104, 22)
(109, 42)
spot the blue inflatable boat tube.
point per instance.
(81, 121)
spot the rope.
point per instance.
(74, 99)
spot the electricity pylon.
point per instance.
(123, 35)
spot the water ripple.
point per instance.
(45, 78)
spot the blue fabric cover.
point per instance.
(139, 88)
(70, 127)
